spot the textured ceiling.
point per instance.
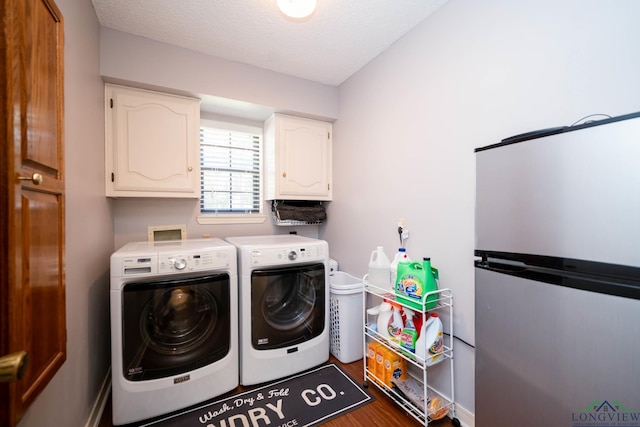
(335, 42)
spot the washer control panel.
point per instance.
(139, 264)
(171, 263)
(289, 255)
(197, 261)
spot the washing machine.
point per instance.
(284, 305)
(174, 323)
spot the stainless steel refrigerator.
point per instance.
(557, 289)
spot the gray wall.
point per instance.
(468, 76)
(128, 58)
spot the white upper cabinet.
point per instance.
(152, 144)
(297, 159)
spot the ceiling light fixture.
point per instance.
(297, 9)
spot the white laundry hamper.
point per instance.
(346, 317)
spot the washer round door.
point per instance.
(174, 326)
(287, 305)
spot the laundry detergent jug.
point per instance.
(385, 314)
(415, 281)
(429, 345)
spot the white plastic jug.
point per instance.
(379, 269)
(385, 313)
(396, 324)
(429, 345)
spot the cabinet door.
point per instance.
(304, 159)
(152, 144)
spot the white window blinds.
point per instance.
(230, 171)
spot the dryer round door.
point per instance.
(174, 326)
(287, 305)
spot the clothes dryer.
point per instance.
(284, 305)
(174, 322)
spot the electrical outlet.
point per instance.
(403, 232)
(402, 223)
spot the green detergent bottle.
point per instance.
(415, 280)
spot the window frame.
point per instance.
(234, 217)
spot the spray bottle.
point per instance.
(409, 334)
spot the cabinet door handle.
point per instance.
(190, 168)
(284, 174)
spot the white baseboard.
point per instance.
(466, 418)
(101, 401)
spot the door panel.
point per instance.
(558, 195)
(559, 347)
(32, 285)
(42, 31)
(42, 290)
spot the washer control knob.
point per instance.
(293, 255)
(180, 263)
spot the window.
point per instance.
(230, 165)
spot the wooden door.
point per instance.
(32, 283)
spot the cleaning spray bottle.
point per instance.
(409, 334)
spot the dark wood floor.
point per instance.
(382, 412)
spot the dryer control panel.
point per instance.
(287, 255)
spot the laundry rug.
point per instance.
(307, 399)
